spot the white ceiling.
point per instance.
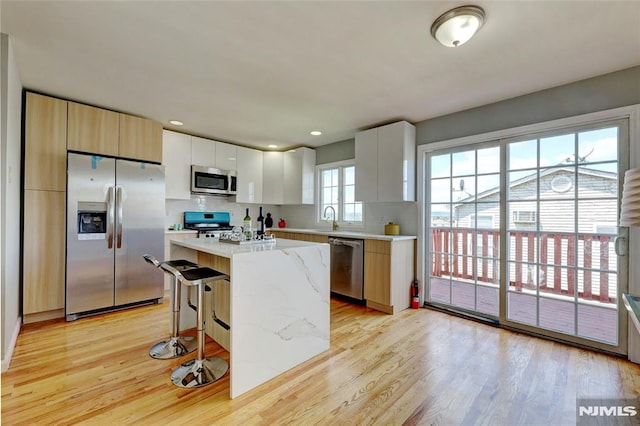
(269, 72)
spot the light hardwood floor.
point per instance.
(417, 367)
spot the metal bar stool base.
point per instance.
(199, 372)
(173, 348)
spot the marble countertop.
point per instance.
(347, 234)
(632, 303)
(183, 231)
(212, 246)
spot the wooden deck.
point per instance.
(417, 367)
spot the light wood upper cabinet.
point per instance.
(140, 139)
(44, 252)
(93, 130)
(385, 163)
(45, 143)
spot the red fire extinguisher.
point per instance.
(415, 295)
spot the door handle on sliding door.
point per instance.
(119, 217)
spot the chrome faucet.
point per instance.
(324, 214)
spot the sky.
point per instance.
(458, 175)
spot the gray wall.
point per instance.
(10, 249)
(338, 151)
(617, 89)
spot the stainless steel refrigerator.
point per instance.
(115, 214)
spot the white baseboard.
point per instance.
(12, 345)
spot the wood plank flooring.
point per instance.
(417, 367)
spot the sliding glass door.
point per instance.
(465, 229)
(522, 230)
(562, 208)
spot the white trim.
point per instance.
(6, 361)
(632, 113)
(318, 172)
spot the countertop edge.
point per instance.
(346, 234)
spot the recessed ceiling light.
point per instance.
(316, 133)
(272, 146)
(176, 122)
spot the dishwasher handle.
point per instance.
(348, 243)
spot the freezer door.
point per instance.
(90, 193)
(139, 230)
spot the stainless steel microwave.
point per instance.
(209, 180)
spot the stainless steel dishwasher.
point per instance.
(347, 267)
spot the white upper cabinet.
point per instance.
(249, 178)
(273, 177)
(176, 159)
(203, 152)
(226, 156)
(385, 163)
(299, 174)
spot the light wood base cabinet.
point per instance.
(44, 251)
(314, 238)
(388, 273)
(218, 300)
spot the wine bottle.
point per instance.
(248, 232)
(260, 223)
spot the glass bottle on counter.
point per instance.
(260, 223)
(248, 232)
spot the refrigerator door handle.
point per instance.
(110, 216)
(119, 218)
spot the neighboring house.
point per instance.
(597, 205)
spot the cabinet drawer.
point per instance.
(377, 246)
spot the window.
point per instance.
(524, 216)
(337, 190)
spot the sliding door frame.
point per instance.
(632, 114)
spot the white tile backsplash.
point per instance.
(376, 215)
(175, 209)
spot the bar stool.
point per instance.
(200, 371)
(177, 345)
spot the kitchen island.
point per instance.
(278, 304)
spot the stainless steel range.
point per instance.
(208, 224)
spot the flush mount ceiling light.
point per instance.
(272, 146)
(176, 122)
(456, 27)
(316, 133)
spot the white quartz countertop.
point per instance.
(347, 234)
(212, 246)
